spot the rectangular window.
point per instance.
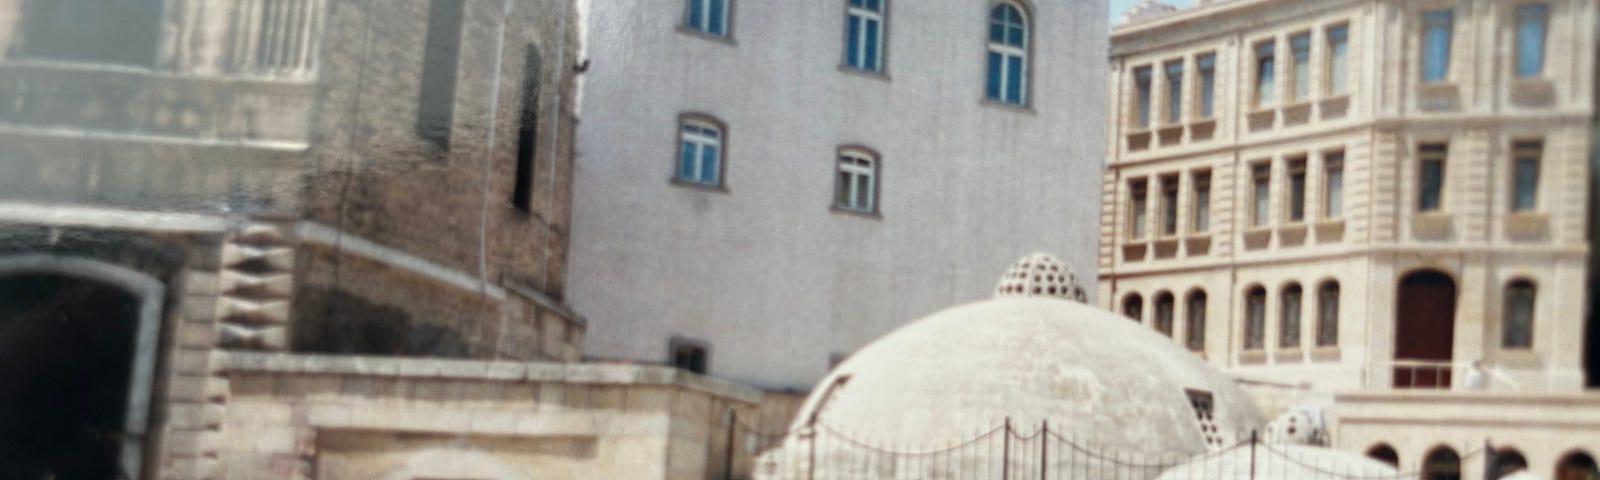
(436, 102)
(1338, 58)
(1525, 174)
(708, 16)
(1141, 82)
(1328, 314)
(125, 32)
(1266, 71)
(1202, 202)
(1430, 176)
(1174, 91)
(1207, 64)
(1296, 210)
(700, 153)
(689, 356)
(1255, 318)
(1196, 311)
(1169, 205)
(1531, 21)
(1332, 185)
(1300, 45)
(1437, 27)
(864, 32)
(1260, 193)
(857, 181)
(527, 131)
(1136, 209)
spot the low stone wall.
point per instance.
(308, 416)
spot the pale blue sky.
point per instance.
(1119, 6)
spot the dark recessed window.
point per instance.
(440, 62)
(124, 32)
(527, 132)
(691, 356)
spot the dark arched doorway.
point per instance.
(1577, 465)
(1384, 453)
(67, 354)
(1425, 317)
(1442, 463)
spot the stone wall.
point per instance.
(304, 416)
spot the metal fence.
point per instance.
(1013, 452)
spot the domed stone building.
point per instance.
(1034, 355)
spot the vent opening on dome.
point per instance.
(1205, 417)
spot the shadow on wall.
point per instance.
(338, 322)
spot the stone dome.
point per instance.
(1093, 375)
(1040, 275)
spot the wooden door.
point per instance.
(1424, 328)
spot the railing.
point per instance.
(275, 37)
(1434, 374)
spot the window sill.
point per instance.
(1257, 238)
(1018, 108)
(1202, 130)
(1253, 357)
(718, 188)
(722, 39)
(1330, 231)
(1133, 251)
(1527, 226)
(1166, 248)
(1517, 358)
(1170, 135)
(1297, 114)
(1292, 235)
(1430, 225)
(879, 75)
(1334, 108)
(1139, 141)
(873, 215)
(1326, 353)
(1262, 119)
(1288, 355)
(1437, 96)
(1197, 245)
(1532, 92)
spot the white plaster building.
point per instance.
(848, 187)
(1383, 199)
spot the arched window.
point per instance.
(1255, 304)
(1507, 461)
(1195, 313)
(708, 16)
(863, 46)
(1289, 321)
(1328, 314)
(1165, 305)
(700, 153)
(1133, 307)
(856, 186)
(1384, 453)
(1442, 463)
(1007, 79)
(1517, 327)
(1577, 466)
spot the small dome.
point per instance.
(1280, 462)
(1040, 275)
(1093, 375)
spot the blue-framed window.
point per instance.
(708, 16)
(1531, 21)
(700, 153)
(1008, 55)
(863, 48)
(1437, 26)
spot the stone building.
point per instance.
(755, 176)
(1383, 199)
(199, 198)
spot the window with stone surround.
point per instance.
(1169, 205)
(1266, 72)
(1133, 307)
(1200, 219)
(1328, 314)
(1260, 193)
(1436, 33)
(1206, 65)
(1295, 194)
(1430, 176)
(1255, 303)
(1338, 38)
(1300, 49)
(1195, 314)
(1532, 20)
(1289, 316)
(1332, 185)
(1517, 326)
(1165, 307)
(1174, 79)
(1137, 192)
(1141, 100)
(1525, 156)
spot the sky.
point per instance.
(1119, 6)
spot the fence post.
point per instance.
(811, 458)
(1005, 454)
(1044, 451)
(1253, 441)
(733, 426)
